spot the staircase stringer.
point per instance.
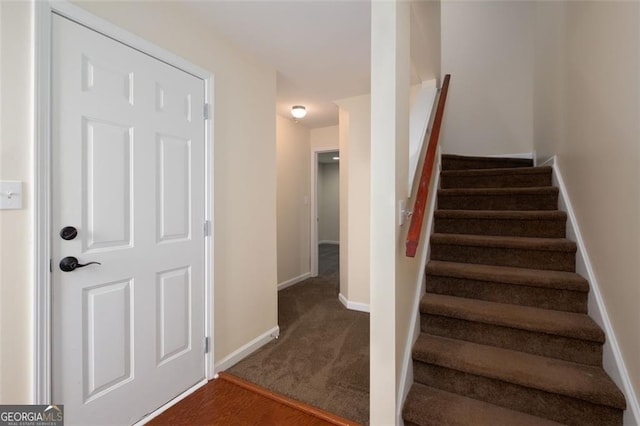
(406, 375)
(612, 361)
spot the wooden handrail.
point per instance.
(415, 228)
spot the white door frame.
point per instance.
(42, 308)
(314, 205)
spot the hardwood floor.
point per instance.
(231, 401)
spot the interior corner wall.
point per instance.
(487, 47)
(355, 163)
(589, 120)
(293, 206)
(549, 78)
(16, 230)
(329, 202)
(244, 205)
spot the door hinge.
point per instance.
(207, 228)
(207, 111)
(206, 345)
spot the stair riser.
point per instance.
(552, 406)
(498, 181)
(498, 202)
(502, 227)
(539, 297)
(501, 256)
(485, 163)
(537, 343)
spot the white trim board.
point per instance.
(613, 362)
(42, 373)
(353, 306)
(328, 242)
(246, 350)
(294, 280)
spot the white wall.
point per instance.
(487, 47)
(390, 70)
(355, 161)
(586, 112)
(329, 202)
(16, 233)
(244, 172)
(293, 202)
(425, 39)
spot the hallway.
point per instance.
(322, 355)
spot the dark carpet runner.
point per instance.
(505, 338)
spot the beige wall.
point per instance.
(487, 47)
(244, 173)
(293, 198)
(589, 118)
(16, 233)
(329, 202)
(355, 158)
(325, 138)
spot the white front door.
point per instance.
(128, 174)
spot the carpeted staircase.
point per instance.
(505, 336)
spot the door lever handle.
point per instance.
(71, 263)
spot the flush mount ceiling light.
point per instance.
(298, 111)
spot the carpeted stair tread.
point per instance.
(527, 198)
(502, 214)
(582, 382)
(532, 191)
(427, 406)
(498, 171)
(497, 178)
(457, 162)
(509, 275)
(517, 223)
(542, 244)
(566, 324)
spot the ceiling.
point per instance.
(320, 48)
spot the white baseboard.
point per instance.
(247, 349)
(171, 403)
(613, 363)
(526, 155)
(294, 280)
(354, 306)
(406, 374)
(329, 242)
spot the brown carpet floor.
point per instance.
(322, 355)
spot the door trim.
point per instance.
(42, 173)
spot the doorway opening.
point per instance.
(325, 238)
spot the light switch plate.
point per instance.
(10, 195)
